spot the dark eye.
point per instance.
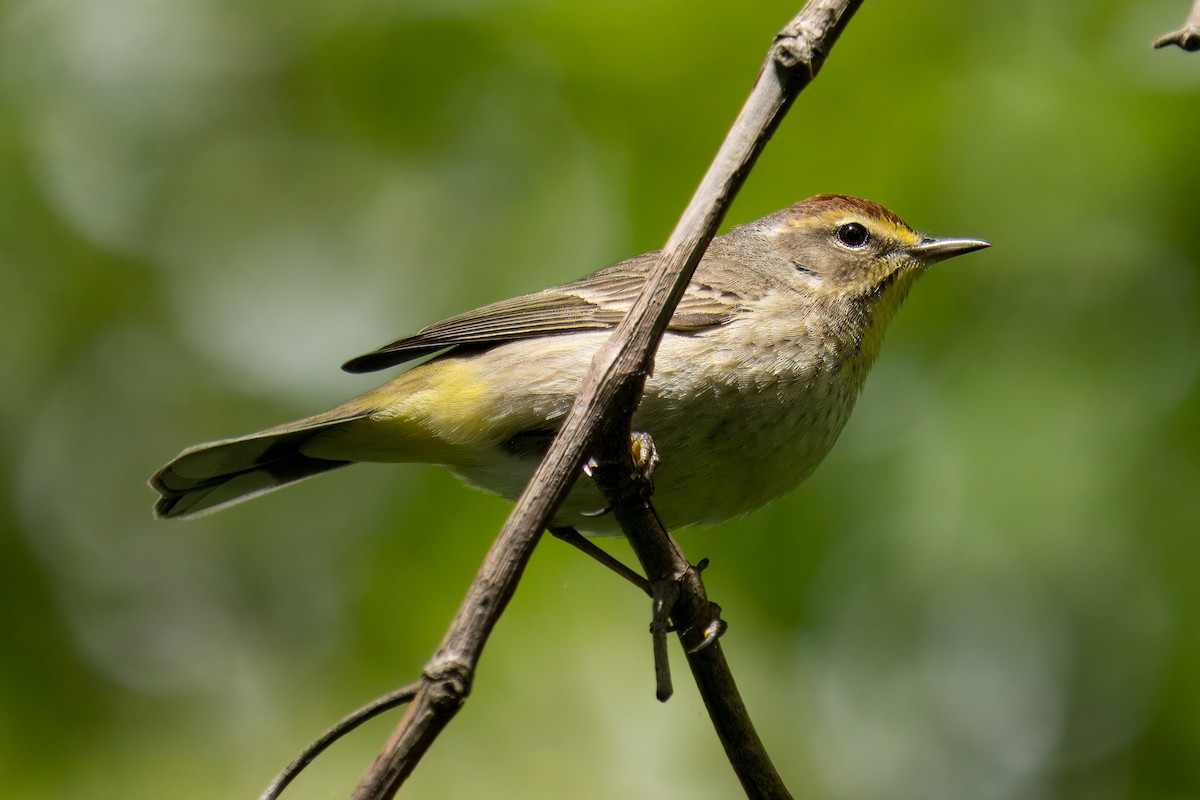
(852, 234)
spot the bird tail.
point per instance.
(210, 476)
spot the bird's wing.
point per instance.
(596, 302)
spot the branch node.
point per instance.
(1187, 38)
(449, 682)
(790, 52)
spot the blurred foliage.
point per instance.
(988, 591)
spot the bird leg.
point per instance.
(644, 455)
(632, 484)
(586, 546)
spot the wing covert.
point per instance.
(595, 302)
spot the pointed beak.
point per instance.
(930, 251)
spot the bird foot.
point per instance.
(645, 458)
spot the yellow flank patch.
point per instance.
(439, 413)
(459, 403)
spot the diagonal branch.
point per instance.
(610, 391)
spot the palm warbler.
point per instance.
(754, 379)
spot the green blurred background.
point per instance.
(989, 591)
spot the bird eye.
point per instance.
(852, 234)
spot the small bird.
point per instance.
(753, 382)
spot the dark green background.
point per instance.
(989, 591)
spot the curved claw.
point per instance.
(714, 630)
(599, 512)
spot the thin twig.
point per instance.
(1187, 37)
(345, 726)
(609, 391)
(589, 548)
(665, 603)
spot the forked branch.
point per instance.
(1187, 37)
(606, 401)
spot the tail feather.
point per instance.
(210, 476)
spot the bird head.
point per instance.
(851, 262)
(857, 249)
